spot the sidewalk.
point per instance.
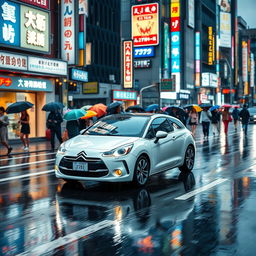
(35, 146)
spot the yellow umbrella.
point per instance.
(89, 114)
(195, 106)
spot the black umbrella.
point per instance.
(136, 108)
(171, 108)
(53, 106)
(113, 106)
(18, 107)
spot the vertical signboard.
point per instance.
(9, 23)
(252, 75)
(210, 46)
(145, 24)
(175, 42)
(166, 49)
(127, 64)
(245, 67)
(191, 13)
(68, 33)
(198, 58)
(225, 29)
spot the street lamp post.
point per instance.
(144, 88)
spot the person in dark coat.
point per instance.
(72, 127)
(54, 121)
(235, 115)
(245, 117)
(215, 121)
(25, 129)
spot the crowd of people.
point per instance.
(190, 117)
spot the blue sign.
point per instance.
(144, 52)
(9, 23)
(79, 75)
(124, 95)
(81, 41)
(175, 38)
(175, 65)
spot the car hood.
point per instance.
(99, 143)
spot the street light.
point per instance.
(144, 88)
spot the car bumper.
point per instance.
(101, 169)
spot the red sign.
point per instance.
(39, 3)
(128, 64)
(5, 81)
(228, 91)
(175, 24)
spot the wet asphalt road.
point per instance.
(209, 213)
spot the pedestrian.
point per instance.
(215, 122)
(235, 115)
(54, 121)
(4, 122)
(72, 127)
(245, 118)
(193, 121)
(205, 120)
(226, 119)
(25, 129)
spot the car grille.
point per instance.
(94, 164)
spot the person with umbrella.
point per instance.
(53, 123)
(115, 108)
(4, 122)
(193, 121)
(205, 120)
(235, 115)
(226, 117)
(25, 129)
(215, 121)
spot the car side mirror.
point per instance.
(82, 131)
(160, 135)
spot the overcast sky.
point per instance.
(247, 10)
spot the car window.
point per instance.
(159, 124)
(176, 124)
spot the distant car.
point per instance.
(126, 147)
(252, 112)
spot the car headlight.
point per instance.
(254, 116)
(121, 151)
(62, 150)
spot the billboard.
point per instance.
(127, 64)
(191, 13)
(145, 24)
(225, 29)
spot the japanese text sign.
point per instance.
(39, 3)
(25, 83)
(68, 31)
(23, 26)
(210, 46)
(124, 95)
(128, 64)
(144, 52)
(145, 24)
(142, 64)
(13, 61)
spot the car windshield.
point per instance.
(119, 125)
(252, 110)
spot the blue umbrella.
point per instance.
(214, 107)
(152, 107)
(53, 106)
(74, 114)
(19, 106)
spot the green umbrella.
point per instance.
(74, 114)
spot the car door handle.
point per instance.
(173, 137)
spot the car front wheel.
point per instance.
(141, 171)
(189, 160)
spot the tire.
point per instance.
(189, 160)
(141, 171)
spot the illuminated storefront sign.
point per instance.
(13, 61)
(142, 64)
(144, 52)
(39, 3)
(48, 66)
(128, 64)
(124, 95)
(68, 31)
(79, 75)
(245, 67)
(91, 88)
(166, 59)
(210, 46)
(25, 84)
(198, 58)
(145, 24)
(209, 80)
(23, 26)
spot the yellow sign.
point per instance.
(145, 24)
(210, 46)
(91, 88)
(175, 9)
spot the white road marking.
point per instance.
(199, 190)
(25, 175)
(50, 246)
(26, 156)
(18, 165)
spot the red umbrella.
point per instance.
(100, 109)
(226, 106)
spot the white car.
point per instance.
(126, 147)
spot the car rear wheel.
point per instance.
(141, 171)
(189, 160)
